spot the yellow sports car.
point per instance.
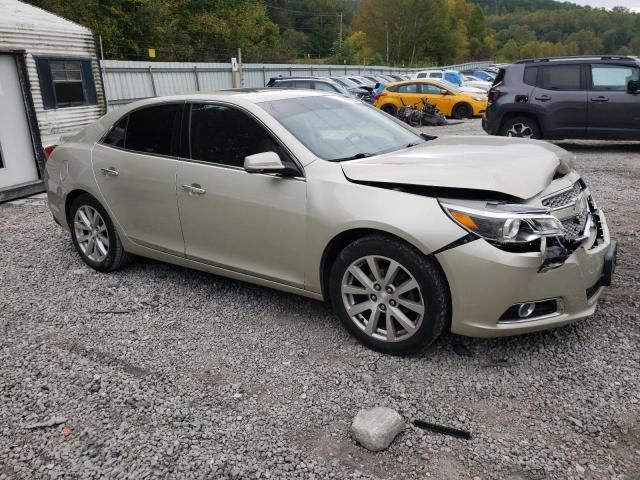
(451, 101)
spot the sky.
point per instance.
(633, 4)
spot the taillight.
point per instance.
(382, 94)
(48, 150)
(494, 95)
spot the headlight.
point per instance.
(505, 227)
(479, 99)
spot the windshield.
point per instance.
(450, 86)
(337, 128)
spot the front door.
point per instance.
(435, 97)
(560, 101)
(17, 158)
(246, 222)
(613, 112)
(136, 173)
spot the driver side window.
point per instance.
(224, 135)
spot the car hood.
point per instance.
(515, 167)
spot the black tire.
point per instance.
(116, 256)
(527, 126)
(390, 109)
(426, 272)
(461, 111)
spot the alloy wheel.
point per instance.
(520, 130)
(382, 298)
(91, 233)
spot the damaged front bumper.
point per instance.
(557, 286)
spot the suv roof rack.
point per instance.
(578, 57)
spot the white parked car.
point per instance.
(471, 81)
(455, 78)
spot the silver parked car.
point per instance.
(324, 196)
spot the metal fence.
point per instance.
(127, 81)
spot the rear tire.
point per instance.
(390, 109)
(521, 127)
(94, 236)
(402, 307)
(462, 111)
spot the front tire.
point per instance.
(388, 295)
(462, 111)
(94, 236)
(521, 127)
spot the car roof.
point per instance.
(238, 95)
(319, 79)
(582, 58)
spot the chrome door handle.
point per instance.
(600, 99)
(194, 188)
(111, 171)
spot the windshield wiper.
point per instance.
(353, 157)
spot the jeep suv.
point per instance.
(571, 97)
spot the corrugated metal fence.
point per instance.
(127, 81)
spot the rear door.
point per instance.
(135, 168)
(408, 94)
(559, 100)
(613, 112)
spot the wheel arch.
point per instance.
(346, 237)
(71, 196)
(390, 106)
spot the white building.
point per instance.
(50, 85)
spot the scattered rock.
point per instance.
(375, 428)
(52, 422)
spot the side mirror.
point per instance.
(633, 86)
(265, 162)
(444, 92)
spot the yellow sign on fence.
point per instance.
(152, 53)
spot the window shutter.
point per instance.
(46, 83)
(89, 84)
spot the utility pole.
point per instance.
(241, 82)
(340, 42)
(386, 27)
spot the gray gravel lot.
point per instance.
(163, 372)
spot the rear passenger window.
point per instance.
(561, 77)
(530, 76)
(151, 129)
(408, 88)
(325, 87)
(435, 75)
(117, 134)
(422, 75)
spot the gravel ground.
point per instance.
(163, 372)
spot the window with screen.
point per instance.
(225, 135)
(116, 136)
(562, 77)
(66, 82)
(151, 129)
(613, 77)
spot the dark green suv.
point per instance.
(594, 97)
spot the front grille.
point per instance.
(565, 198)
(574, 226)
